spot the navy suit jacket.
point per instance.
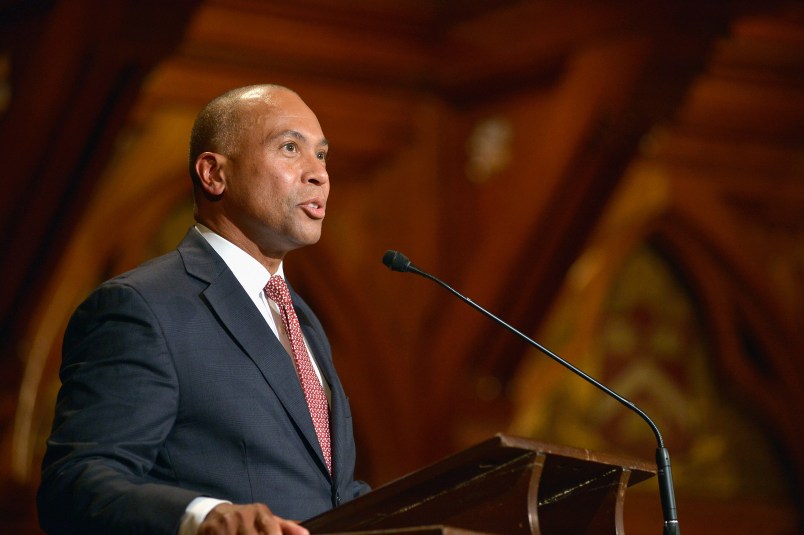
(174, 387)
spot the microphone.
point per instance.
(396, 261)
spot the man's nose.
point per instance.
(315, 171)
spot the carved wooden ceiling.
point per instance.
(74, 70)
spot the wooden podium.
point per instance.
(505, 485)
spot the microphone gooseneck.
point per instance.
(397, 261)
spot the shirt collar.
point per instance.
(247, 270)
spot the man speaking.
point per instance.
(199, 394)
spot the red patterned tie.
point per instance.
(277, 291)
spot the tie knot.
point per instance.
(277, 290)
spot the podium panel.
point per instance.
(504, 485)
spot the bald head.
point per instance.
(217, 125)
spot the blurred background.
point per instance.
(620, 179)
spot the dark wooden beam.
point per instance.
(75, 74)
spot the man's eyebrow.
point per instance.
(297, 135)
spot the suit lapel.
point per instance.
(238, 316)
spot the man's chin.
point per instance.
(306, 238)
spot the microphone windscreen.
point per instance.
(396, 261)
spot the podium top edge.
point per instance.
(511, 441)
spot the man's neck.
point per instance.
(234, 235)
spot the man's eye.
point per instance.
(322, 156)
(291, 147)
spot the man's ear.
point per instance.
(210, 172)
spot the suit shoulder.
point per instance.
(151, 273)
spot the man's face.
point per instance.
(276, 179)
